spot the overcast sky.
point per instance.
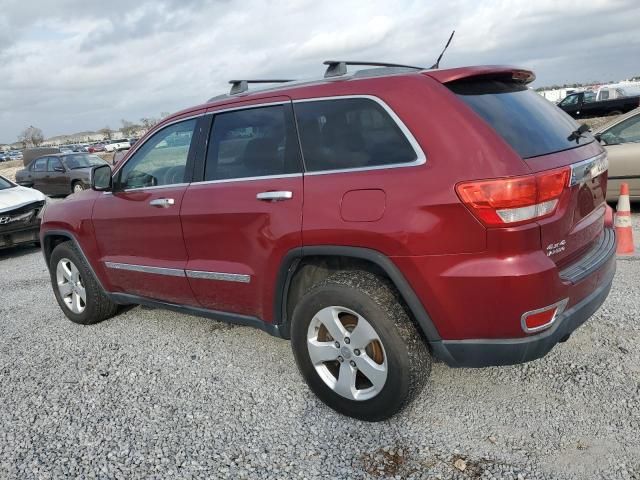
(75, 65)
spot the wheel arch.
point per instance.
(52, 238)
(317, 258)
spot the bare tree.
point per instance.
(106, 132)
(128, 128)
(31, 137)
(148, 122)
(164, 115)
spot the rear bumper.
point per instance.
(487, 353)
(599, 266)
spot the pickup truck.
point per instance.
(586, 104)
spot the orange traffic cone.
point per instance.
(624, 232)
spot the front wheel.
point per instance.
(357, 348)
(76, 289)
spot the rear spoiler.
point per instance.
(452, 74)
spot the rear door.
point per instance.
(543, 137)
(245, 214)
(56, 178)
(137, 226)
(37, 174)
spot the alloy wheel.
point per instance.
(70, 286)
(347, 353)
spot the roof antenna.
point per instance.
(437, 64)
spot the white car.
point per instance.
(115, 145)
(21, 210)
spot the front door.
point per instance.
(246, 213)
(37, 172)
(137, 226)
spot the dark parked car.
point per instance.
(585, 105)
(59, 174)
(377, 222)
(20, 214)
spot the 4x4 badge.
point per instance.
(4, 220)
(554, 248)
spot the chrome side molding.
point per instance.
(177, 272)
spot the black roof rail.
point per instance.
(240, 86)
(337, 68)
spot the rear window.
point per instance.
(532, 125)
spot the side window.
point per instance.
(627, 131)
(570, 100)
(255, 142)
(350, 133)
(162, 160)
(53, 163)
(39, 165)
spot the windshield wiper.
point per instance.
(579, 133)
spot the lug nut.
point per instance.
(337, 344)
(346, 340)
(356, 352)
(340, 359)
(352, 363)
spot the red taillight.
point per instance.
(511, 201)
(543, 318)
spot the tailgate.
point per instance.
(579, 218)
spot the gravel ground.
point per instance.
(156, 394)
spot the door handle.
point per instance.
(274, 196)
(162, 202)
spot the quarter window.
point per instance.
(350, 133)
(255, 142)
(39, 165)
(162, 160)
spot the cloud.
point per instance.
(74, 65)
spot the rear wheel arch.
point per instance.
(303, 267)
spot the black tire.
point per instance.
(375, 299)
(79, 184)
(98, 307)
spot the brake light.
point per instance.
(515, 200)
(541, 319)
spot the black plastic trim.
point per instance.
(511, 351)
(232, 318)
(624, 177)
(289, 263)
(593, 259)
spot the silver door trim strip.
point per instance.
(225, 277)
(172, 272)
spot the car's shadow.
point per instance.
(18, 251)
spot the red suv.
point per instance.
(378, 219)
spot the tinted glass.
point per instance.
(82, 161)
(39, 165)
(54, 162)
(161, 160)
(252, 143)
(532, 125)
(350, 133)
(4, 183)
(627, 131)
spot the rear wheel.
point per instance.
(357, 348)
(76, 289)
(77, 187)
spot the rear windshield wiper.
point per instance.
(579, 133)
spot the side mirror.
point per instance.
(101, 178)
(598, 137)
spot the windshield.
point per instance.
(530, 124)
(4, 184)
(82, 161)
